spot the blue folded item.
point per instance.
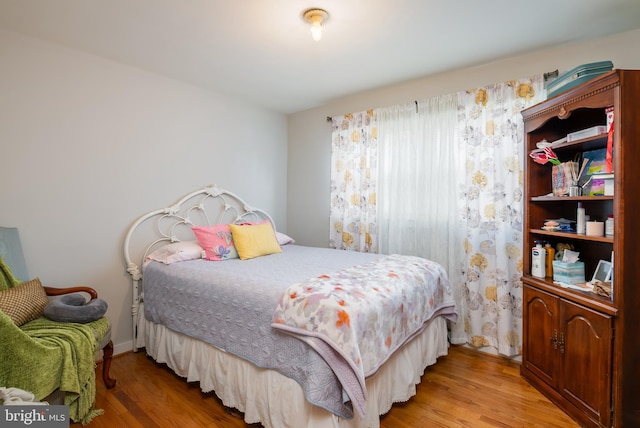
(559, 225)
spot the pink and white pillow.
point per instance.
(217, 241)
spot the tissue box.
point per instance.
(568, 273)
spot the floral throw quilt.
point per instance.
(355, 318)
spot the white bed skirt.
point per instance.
(275, 400)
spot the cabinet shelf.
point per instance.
(571, 235)
(570, 198)
(585, 298)
(588, 143)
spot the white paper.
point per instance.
(569, 256)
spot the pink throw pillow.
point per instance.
(217, 241)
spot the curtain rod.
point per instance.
(550, 74)
(546, 76)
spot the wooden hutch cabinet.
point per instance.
(580, 349)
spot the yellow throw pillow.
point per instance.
(24, 302)
(254, 240)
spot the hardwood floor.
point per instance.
(464, 389)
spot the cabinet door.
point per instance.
(586, 349)
(540, 348)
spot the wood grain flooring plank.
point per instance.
(466, 389)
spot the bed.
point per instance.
(288, 335)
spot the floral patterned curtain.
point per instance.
(487, 208)
(354, 163)
(492, 147)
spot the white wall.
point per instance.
(87, 145)
(310, 134)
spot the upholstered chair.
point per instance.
(30, 315)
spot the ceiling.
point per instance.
(261, 50)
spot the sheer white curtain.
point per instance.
(418, 182)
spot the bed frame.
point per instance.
(205, 207)
(221, 372)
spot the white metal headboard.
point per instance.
(207, 206)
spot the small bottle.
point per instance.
(608, 227)
(581, 225)
(538, 258)
(549, 261)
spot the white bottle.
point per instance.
(538, 258)
(608, 227)
(581, 225)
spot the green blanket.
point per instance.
(43, 355)
(7, 280)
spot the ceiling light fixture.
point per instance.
(315, 17)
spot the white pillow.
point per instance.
(284, 239)
(177, 252)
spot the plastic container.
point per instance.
(549, 260)
(576, 76)
(608, 227)
(538, 259)
(581, 224)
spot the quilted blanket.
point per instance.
(357, 317)
(230, 305)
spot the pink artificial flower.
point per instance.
(539, 157)
(552, 157)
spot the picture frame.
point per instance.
(603, 272)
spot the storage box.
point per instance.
(576, 76)
(594, 131)
(568, 273)
(601, 184)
